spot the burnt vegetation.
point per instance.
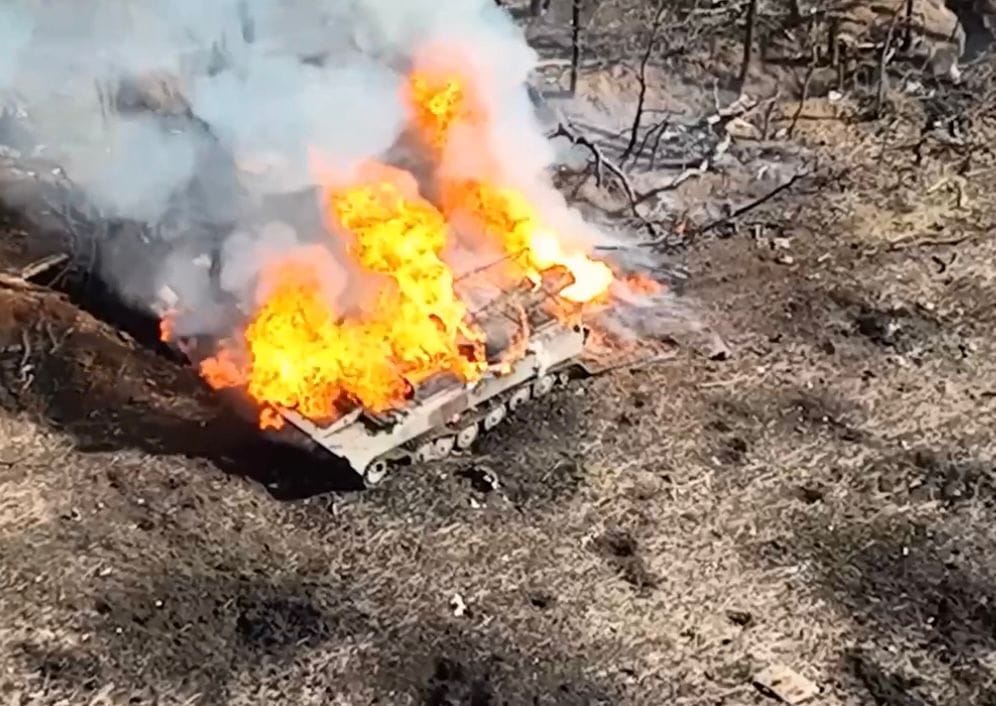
(819, 491)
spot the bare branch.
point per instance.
(748, 43)
(804, 96)
(883, 63)
(641, 98)
(563, 130)
(575, 44)
(736, 213)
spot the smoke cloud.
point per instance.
(201, 120)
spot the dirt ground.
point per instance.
(823, 497)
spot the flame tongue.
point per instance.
(403, 240)
(302, 356)
(440, 103)
(508, 218)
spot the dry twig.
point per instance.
(905, 243)
(804, 96)
(883, 62)
(43, 265)
(736, 213)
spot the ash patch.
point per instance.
(896, 327)
(951, 476)
(451, 683)
(621, 550)
(536, 453)
(888, 688)
(900, 328)
(281, 623)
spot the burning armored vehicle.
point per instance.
(415, 281)
(479, 304)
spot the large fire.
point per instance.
(298, 352)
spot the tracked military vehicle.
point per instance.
(535, 353)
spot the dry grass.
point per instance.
(824, 499)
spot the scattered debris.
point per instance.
(482, 478)
(718, 349)
(458, 605)
(740, 617)
(785, 684)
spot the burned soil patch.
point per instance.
(621, 550)
(952, 476)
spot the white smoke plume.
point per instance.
(198, 118)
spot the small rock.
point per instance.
(739, 617)
(718, 349)
(781, 243)
(785, 260)
(458, 605)
(741, 129)
(785, 684)
(834, 96)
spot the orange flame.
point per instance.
(302, 356)
(167, 327)
(506, 216)
(438, 104)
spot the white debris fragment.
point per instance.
(458, 605)
(785, 684)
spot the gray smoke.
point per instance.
(199, 118)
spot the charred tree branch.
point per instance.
(737, 212)
(883, 65)
(563, 130)
(804, 95)
(748, 43)
(575, 44)
(642, 75)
